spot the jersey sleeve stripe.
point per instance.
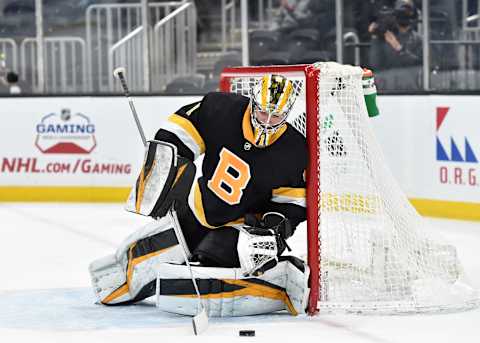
(290, 192)
(196, 205)
(189, 128)
(186, 132)
(193, 109)
(288, 200)
(184, 137)
(287, 195)
(195, 201)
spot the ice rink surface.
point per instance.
(45, 293)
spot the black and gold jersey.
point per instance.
(235, 176)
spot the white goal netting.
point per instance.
(375, 253)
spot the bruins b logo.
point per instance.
(230, 177)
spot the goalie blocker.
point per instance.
(158, 184)
(129, 275)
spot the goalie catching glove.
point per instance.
(261, 242)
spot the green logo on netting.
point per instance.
(328, 122)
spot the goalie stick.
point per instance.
(119, 73)
(200, 321)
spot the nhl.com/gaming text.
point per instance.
(34, 165)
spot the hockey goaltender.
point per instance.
(234, 209)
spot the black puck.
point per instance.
(248, 333)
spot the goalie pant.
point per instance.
(130, 275)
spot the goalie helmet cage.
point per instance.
(369, 251)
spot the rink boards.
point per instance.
(88, 149)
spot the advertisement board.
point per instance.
(432, 146)
(78, 149)
(88, 148)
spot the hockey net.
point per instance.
(369, 251)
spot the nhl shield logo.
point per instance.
(65, 133)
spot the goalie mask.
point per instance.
(271, 100)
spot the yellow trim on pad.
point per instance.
(116, 294)
(141, 186)
(447, 209)
(249, 289)
(64, 194)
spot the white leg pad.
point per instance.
(107, 275)
(120, 277)
(226, 292)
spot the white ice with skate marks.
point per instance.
(45, 294)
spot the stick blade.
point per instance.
(200, 322)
